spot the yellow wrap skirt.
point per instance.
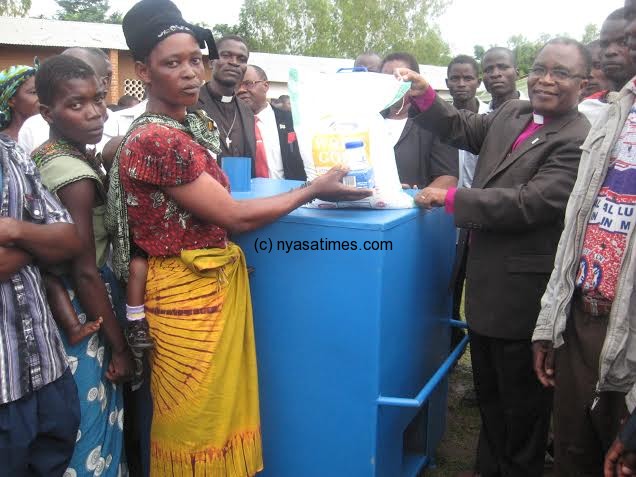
(203, 367)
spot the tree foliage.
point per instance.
(526, 50)
(478, 52)
(590, 33)
(95, 11)
(223, 29)
(344, 28)
(14, 8)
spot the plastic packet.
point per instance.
(337, 121)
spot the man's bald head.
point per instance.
(370, 60)
(96, 59)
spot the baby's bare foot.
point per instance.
(82, 331)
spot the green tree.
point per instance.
(223, 29)
(345, 28)
(115, 17)
(94, 11)
(590, 33)
(14, 8)
(525, 50)
(478, 52)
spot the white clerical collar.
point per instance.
(538, 118)
(227, 99)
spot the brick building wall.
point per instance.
(23, 55)
(122, 61)
(123, 65)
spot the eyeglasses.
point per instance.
(557, 74)
(251, 84)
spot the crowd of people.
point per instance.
(115, 238)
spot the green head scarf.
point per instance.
(10, 81)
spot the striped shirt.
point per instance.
(31, 351)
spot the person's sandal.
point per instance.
(138, 335)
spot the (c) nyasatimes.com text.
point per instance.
(267, 245)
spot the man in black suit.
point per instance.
(421, 159)
(218, 99)
(528, 160)
(276, 145)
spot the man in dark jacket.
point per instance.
(421, 159)
(277, 155)
(218, 99)
(528, 160)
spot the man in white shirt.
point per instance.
(277, 154)
(462, 80)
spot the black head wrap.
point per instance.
(150, 21)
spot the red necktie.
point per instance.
(261, 157)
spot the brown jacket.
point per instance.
(514, 210)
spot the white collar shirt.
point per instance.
(468, 160)
(268, 126)
(35, 130)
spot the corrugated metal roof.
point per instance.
(57, 33)
(38, 32)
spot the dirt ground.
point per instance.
(457, 449)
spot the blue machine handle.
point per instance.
(435, 380)
(352, 70)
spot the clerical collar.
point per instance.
(541, 120)
(219, 97)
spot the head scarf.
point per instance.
(150, 21)
(10, 81)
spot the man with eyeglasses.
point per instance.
(218, 99)
(584, 340)
(529, 153)
(277, 154)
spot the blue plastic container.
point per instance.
(239, 172)
(347, 339)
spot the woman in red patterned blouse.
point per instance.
(169, 198)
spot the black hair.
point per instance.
(618, 14)
(401, 56)
(56, 70)
(94, 57)
(97, 52)
(233, 38)
(366, 54)
(283, 97)
(260, 72)
(463, 60)
(586, 56)
(502, 49)
(125, 100)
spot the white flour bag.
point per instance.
(337, 121)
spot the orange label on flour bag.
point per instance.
(328, 148)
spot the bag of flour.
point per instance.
(337, 121)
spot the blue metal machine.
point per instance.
(352, 344)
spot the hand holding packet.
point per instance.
(337, 121)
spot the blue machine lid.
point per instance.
(365, 219)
